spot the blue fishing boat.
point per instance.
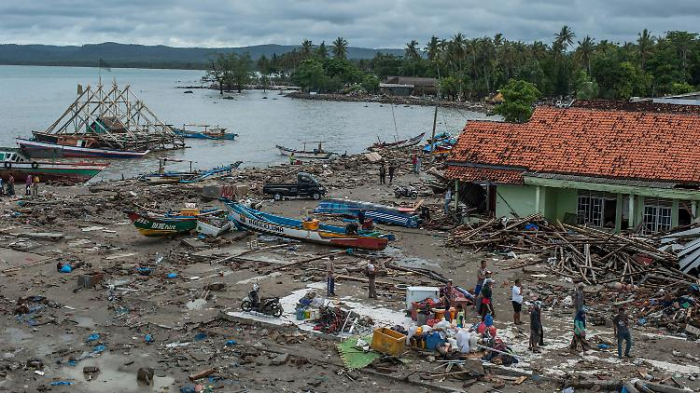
(163, 177)
(213, 133)
(406, 217)
(311, 231)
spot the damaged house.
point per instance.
(610, 169)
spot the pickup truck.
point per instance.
(306, 186)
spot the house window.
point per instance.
(596, 209)
(657, 215)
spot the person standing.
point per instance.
(35, 186)
(371, 275)
(419, 162)
(28, 186)
(535, 326)
(580, 331)
(10, 186)
(621, 327)
(392, 168)
(516, 297)
(579, 298)
(487, 299)
(330, 290)
(2, 187)
(414, 162)
(448, 199)
(480, 277)
(382, 174)
(292, 159)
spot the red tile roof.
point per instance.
(473, 174)
(613, 144)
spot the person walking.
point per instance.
(579, 298)
(371, 275)
(28, 185)
(516, 297)
(580, 331)
(382, 174)
(330, 290)
(448, 199)
(392, 168)
(535, 326)
(35, 186)
(11, 186)
(487, 299)
(621, 327)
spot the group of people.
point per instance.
(31, 188)
(416, 162)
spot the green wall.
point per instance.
(520, 198)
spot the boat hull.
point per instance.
(66, 173)
(300, 154)
(162, 226)
(397, 145)
(36, 149)
(246, 219)
(204, 135)
(378, 213)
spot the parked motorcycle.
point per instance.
(267, 306)
(406, 191)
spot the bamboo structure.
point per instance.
(113, 119)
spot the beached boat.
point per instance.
(213, 226)
(407, 217)
(308, 231)
(441, 146)
(162, 177)
(316, 154)
(213, 133)
(13, 162)
(403, 144)
(154, 224)
(37, 149)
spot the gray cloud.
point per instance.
(367, 23)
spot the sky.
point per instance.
(364, 23)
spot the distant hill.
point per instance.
(141, 56)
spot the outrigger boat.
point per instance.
(407, 217)
(35, 148)
(171, 177)
(316, 154)
(13, 162)
(308, 231)
(396, 145)
(214, 133)
(154, 224)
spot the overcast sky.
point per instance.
(365, 23)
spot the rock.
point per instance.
(279, 360)
(145, 374)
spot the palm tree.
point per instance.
(539, 50)
(645, 43)
(340, 48)
(564, 38)
(322, 51)
(584, 52)
(412, 52)
(306, 48)
(433, 48)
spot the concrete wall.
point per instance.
(520, 198)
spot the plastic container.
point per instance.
(439, 315)
(311, 225)
(418, 294)
(300, 314)
(432, 340)
(387, 341)
(189, 212)
(307, 314)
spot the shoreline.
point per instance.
(471, 106)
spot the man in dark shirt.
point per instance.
(622, 331)
(392, 168)
(535, 326)
(382, 174)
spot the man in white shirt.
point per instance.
(517, 300)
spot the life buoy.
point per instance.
(8, 164)
(35, 165)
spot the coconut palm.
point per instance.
(564, 38)
(412, 52)
(340, 48)
(584, 52)
(645, 43)
(306, 48)
(433, 48)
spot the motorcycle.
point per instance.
(267, 306)
(406, 191)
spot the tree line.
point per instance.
(474, 68)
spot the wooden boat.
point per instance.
(213, 226)
(37, 149)
(13, 162)
(214, 133)
(379, 213)
(162, 177)
(308, 231)
(316, 154)
(153, 224)
(398, 144)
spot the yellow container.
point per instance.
(388, 341)
(311, 225)
(439, 315)
(189, 212)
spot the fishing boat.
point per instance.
(213, 133)
(403, 144)
(13, 162)
(441, 146)
(213, 226)
(171, 177)
(38, 149)
(307, 231)
(154, 224)
(315, 154)
(407, 217)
